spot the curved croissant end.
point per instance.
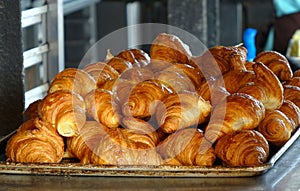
(140, 132)
(119, 64)
(169, 48)
(65, 110)
(187, 147)
(101, 72)
(266, 87)
(145, 96)
(244, 148)
(277, 62)
(241, 111)
(103, 107)
(35, 141)
(178, 111)
(83, 145)
(73, 79)
(137, 57)
(276, 127)
(292, 111)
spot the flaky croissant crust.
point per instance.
(35, 141)
(244, 148)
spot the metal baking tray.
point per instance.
(71, 168)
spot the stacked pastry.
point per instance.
(166, 108)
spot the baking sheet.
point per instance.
(71, 168)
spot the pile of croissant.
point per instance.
(167, 107)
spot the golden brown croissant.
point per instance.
(83, 145)
(212, 93)
(266, 87)
(144, 97)
(187, 147)
(220, 59)
(277, 63)
(294, 81)
(116, 148)
(217, 89)
(180, 83)
(65, 110)
(178, 111)
(103, 107)
(169, 48)
(276, 127)
(101, 72)
(140, 132)
(292, 93)
(35, 141)
(239, 112)
(135, 56)
(249, 65)
(119, 64)
(131, 76)
(73, 79)
(243, 148)
(292, 111)
(137, 75)
(192, 74)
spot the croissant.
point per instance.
(73, 79)
(295, 81)
(144, 97)
(119, 64)
(235, 79)
(292, 111)
(169, 48)
(235, 56)
(276, 127)
(224, 85)
(277, 64)
(243, 148)
(220, 59)
(178, 111)
(135, 56)
(191, 73)
(137, 75)
(140, 132)
(266, 87)
(35, 141)
(65, 110)
(187, 147)
(116, 148)
(249, 65)
(292, 93)
(101, 72)
(122, 86)
(180, 83)
(83, 145)
(212, 93)
(239, 112)
(103, 107)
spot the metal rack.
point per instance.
(43, 28)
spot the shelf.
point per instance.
(34, 56)
(33, 16)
